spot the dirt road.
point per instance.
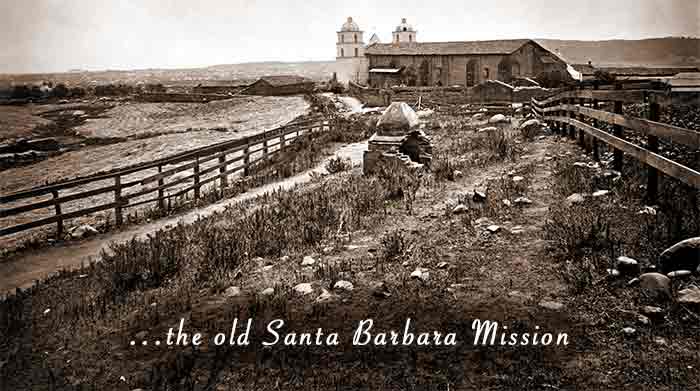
(21, 271)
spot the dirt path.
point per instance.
(21, 271)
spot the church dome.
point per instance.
(350, 26)
(404, 26)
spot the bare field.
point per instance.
(169, 123)
(19, 121)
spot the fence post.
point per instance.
(264, 157)
(161, 203)
(246, 159)
(652, 146)
(222, 172)
(582, 103)
(59, 223)
(196, 178)
(617, 132)
(596, 124)
(572, 128)
(118, 218)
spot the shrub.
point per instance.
(338, 164)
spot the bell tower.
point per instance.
(350, 59)
(404, 33)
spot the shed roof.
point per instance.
(504, 46)
(284, 80)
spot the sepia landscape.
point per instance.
(545, 187)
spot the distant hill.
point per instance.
(216, 74)
(644, 52)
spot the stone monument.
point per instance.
(398, 138)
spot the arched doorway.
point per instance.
(472, 75)
(424, 73)
(504, 70)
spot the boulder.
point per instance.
(523, 201)
(601, 193)
(493, 228)
(684, 255)
(499, 119)
(655, 285)
(442, 265)
(679, 274)
(530, 127)
(82, 231)
(268, 292)
(478, 117)
(398, 117)
(479, 196)
(460, 209)
(576, 198)
(325, 297)
(308, 261)
(343, 285)
(303, 288)
(628, 266)
(232, 291)
(420, 274)
(690, 296)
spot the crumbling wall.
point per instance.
(371, 97)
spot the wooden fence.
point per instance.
(207, 165)
(577, 111)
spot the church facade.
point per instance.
(406, 61)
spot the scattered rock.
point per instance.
(647, 210)
(628, 266)
(689, 296)
(343, 285)
(499, 119)
(633, 282)
(304, 288)
(325, 297)
(655, 285)
(460, 209)
(327, 250)
(629, 331)
(517, 230)
(518, 178)
(421, 274)
(601, 193)
(643, 320)
(82, 231)
(284, 258)
(483, 221)
(613, 273)
(660, 341)
(551, 305)
(479, 196)
(232, 291)
(308, 261)
(457, 174)
(442, 265)
(268, 292)
(652, 312)
(679, 274)
(267, 268)
(488, 130)
(477, 116)
(530, 126)
(493, 228)
(576, 198)
(523, 201)
(506, 202)
(684, 255)
(380, 290)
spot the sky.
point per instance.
(59, 35)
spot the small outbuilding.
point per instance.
(280, 85)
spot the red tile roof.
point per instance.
(504, 46)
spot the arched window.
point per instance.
(486, 73)
(342, 52)
(355, 38)
(357, 52)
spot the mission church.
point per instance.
(407, 61)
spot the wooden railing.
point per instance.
(208, 164)
(577, 111)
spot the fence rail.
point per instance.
(223, 155)
(577, 111)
